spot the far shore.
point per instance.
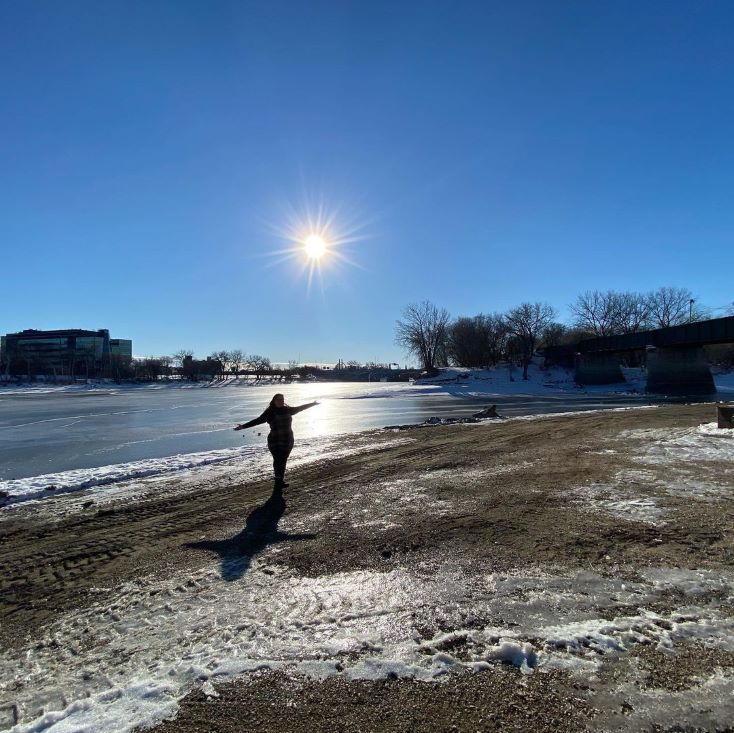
(502, 379)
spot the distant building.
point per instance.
(122, 348)
(201, 369)
(70, 353)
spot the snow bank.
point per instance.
(503, 381)
(51, 484)
(103, 386)
(127, 479)
(500, 380)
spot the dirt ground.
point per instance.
(503, 497)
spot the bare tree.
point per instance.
(423, 332)
(611, 312)
(527, 323)
(166, 362)
(478, 341)
(224, 358)
(121, 367)
(236, 358)
(150, 368)
(181, 355)
(595, 312)
(670, 306)
(555, 334)
(632, 313)
(497, 335)
(465, 342)
(258, 364)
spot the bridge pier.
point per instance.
(679, 370)
(598, 368)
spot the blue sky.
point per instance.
(154, 155)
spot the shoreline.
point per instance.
(455, 555)
(44, 486)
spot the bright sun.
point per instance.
(315, 246)
(316, 240)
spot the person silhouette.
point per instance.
(278, 416)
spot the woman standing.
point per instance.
(278, 416)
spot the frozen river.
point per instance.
(59, 432)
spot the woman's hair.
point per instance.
(275, 396)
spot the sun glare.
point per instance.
(315, 246)
(317, 239)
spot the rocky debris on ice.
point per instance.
(488, 413)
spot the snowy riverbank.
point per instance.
(599, 541)
(501, 380)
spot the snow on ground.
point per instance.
(694, 463)
(700, 443)
(52, 484)
(129, 479)
(503, 379)
(138, 478)
(124, 663)
(108, 385)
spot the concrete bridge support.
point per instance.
(679, 370)
(598, 368)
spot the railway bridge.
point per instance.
(675, 359)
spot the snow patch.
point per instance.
(667, 456)
(128, 479)
(52, 484)
(125, 661)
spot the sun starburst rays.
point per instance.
(316, 239)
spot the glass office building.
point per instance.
(122, 348)
(70, 353)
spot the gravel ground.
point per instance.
(570, 499)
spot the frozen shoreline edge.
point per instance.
(16, 492)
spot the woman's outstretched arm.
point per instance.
(257, 421)
(301, 408)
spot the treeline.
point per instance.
(436, 339)
(429, 333)
(183, 363)
(222, 364)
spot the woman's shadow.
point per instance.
(261, 530)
